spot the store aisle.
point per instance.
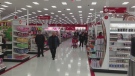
(69, 62)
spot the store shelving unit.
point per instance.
(120, 45)
(19, 47)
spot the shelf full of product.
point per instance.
(20, 38)
(120, 43)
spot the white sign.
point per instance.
(19, 22)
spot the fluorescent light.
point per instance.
(90, 13)
(79, 6)
(59, 11)
(4, 6)
(8, 2)
(46, 14)
(36, 3)
(19, 10)
(23, 8)
(101, 11)
(29, 6)
(52, 13)
(91, 9)
(133, 7)
(70, 13)
(39, 11)
(125, 3)
(80, 14)
(54, 7)
(63, 14)
(34, 12)
(45, 9)
(64, 3)
(72, 16)
(68, 9)
(80, 11)
(93, 3)
(110, 13)
(80, 17)
(30, 14)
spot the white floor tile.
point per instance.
(69, 62)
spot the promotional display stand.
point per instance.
(20, 38)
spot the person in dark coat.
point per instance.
(40, 39)
(53, 43)
(81, 39)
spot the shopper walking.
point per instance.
(81, 39)
(86, 38)
(53, 43)
(40, 39)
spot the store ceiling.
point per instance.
(69, 13)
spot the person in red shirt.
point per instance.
(100, 36)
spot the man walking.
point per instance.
(40, 39)
(53, 43)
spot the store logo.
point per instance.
(106, 10)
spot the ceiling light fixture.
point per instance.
(70, 13)
(8, 2)
(68, 9)
(19, 10)
(39, 11)
(29, 6)
(59, 11)
(93, 3)
(52, 13)
(125, 3)
(79, 6)
(54, 7)
(91, 9)
(4, 6)
(63, 14)
(46, 14)
(34, 12)
(80, 11)
(36, 3)
(133, 7)
(45, 9)
(101, 11)
(90, 13)
(23, 8)
(64, 3)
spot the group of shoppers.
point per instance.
(53, 43)
(82, 36)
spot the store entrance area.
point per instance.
(68, 62)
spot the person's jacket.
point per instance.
(81, 38)
(40, 39)
(57, 42)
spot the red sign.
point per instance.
(70, 28)
(114, 9)
(44, 17)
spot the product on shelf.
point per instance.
(23, 40)
(22, 28)
(21, 51)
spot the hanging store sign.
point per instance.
(44, 17)
(114, 9)
(19, 22)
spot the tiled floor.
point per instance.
(69, 62)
